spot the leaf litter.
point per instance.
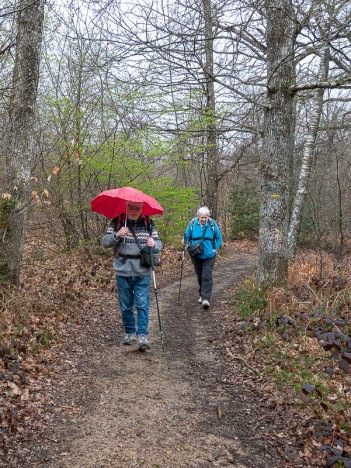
(51, 305)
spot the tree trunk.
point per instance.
(18, 138)
(275, 159)
(340, 217)
(309, 149)
(211, 196)
(78, 145)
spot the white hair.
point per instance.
(203, 211)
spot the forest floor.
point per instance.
(98, 403)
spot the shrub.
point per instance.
(244, 209)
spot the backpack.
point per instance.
(205, 238)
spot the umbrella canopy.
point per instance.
(111, 203)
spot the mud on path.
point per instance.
(116, 407)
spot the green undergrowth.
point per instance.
(302, 338)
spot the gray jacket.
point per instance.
(127, 246)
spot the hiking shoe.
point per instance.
(205, 304)
(143, 342)
(200, 300)
(129, 339)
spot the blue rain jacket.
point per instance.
(210, 247)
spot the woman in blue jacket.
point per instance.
(205, 230)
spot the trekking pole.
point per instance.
(181, 273)
(156, 297)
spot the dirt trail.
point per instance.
(118, 407)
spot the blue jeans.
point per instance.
(134, 290)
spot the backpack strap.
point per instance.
(206, 238)
(118, 221)
(148, 224)
(213, 232)
(191, 228)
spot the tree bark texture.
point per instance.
(275, 159)
(211, 197)
(17, 145)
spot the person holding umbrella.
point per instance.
(129, 233)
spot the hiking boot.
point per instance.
(205, 304)
(200, 300)
(129, 339)
(143, 342)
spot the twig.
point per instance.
(314, 294)
(239, 358)
(262, 421)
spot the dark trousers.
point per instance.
(203, 270)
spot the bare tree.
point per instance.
(181, 48)
(309, 150)
(211, 198)
(17, 145)
(190, 90)
(275, 160)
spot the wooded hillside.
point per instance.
(242, 106)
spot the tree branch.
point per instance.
(321, 84)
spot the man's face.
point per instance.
(203, 219)
(134, 210)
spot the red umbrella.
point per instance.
(111, 203)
